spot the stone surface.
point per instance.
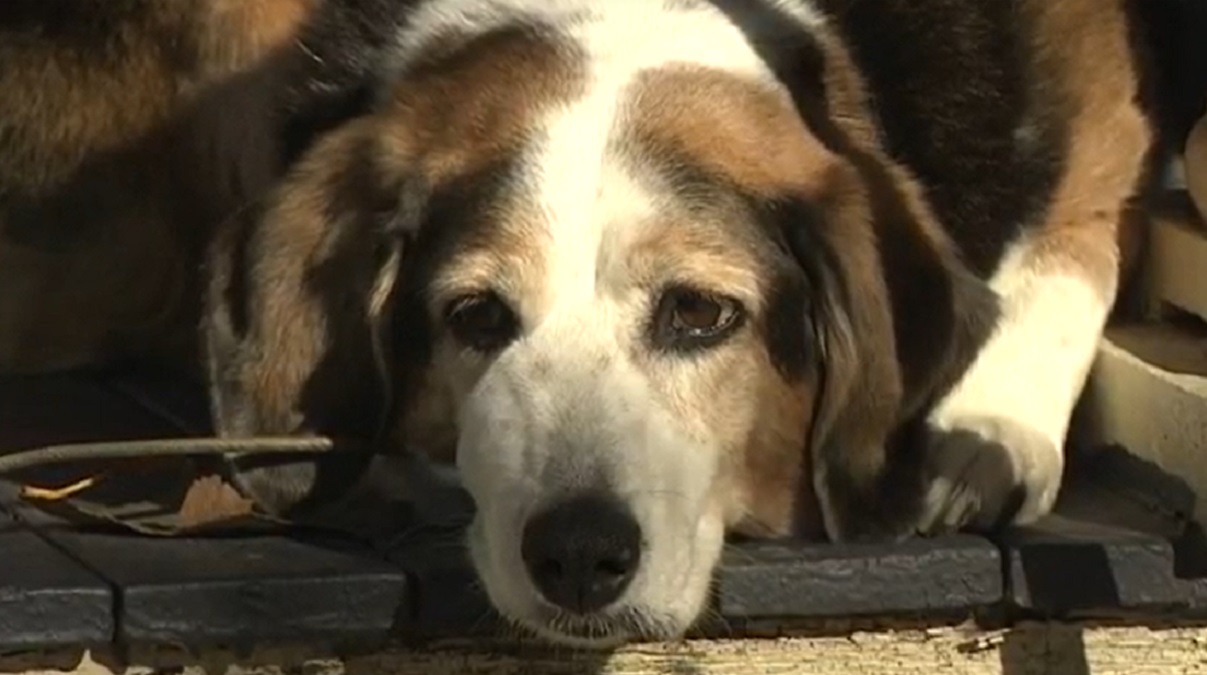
(1178, 260)
(448, 600)
(47, 599)
(923, 575)
(1065, 567)
(1123, 543)
(1157, 413)
(188, 591)
(237, 591)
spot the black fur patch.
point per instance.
(934, 308)
(336, 63)
(456, 214)
(1169, 40)
(92, 28)
(99, 35)
(951, 86)
(952, 104)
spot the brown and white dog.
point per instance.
(652, 272)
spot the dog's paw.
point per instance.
(983, 473)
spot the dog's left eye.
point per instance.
(482, 321)
(687, 319)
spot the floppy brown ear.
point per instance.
(298, 312)
(893, 315)
(892, 321)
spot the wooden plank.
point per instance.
(1178, 261)
(1195, 165)
(756, 581)
(1063, 568)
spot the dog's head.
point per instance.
(632, 276)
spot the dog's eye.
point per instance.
(482, 321)
(688, 319)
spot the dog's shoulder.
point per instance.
(981, 101)
(87, 77)
(107, 168)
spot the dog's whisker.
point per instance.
(733, 549)
(653, 492)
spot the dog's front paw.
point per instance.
(987, 472)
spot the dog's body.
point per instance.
(652, 272)
(104, 201)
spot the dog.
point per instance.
(651, 274)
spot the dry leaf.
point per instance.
(61, 493)
(210, 499)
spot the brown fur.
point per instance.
(449, 119)
(866, 394)
(286, 316)
(751, 137)
(452, 122)
(741, 129)
(1081, 48)
(99, 233)
(451, 116)
(1084, 46)
(300, 288)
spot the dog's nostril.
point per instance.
(583, 553)
(550, 569)
(615, 567)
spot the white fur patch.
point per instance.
(1019, 394)
(620, 34)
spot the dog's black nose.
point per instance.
(583, 552)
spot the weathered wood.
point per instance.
(1178, 260)
(1196, 165)
(1027, 649)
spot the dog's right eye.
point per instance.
(482, 322)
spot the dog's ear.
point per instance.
(894, 316)
(298, 311)
(891, 322)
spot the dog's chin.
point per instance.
(595, 638)
(600, 632)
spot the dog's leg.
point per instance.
(994, 454)
(995, 442)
